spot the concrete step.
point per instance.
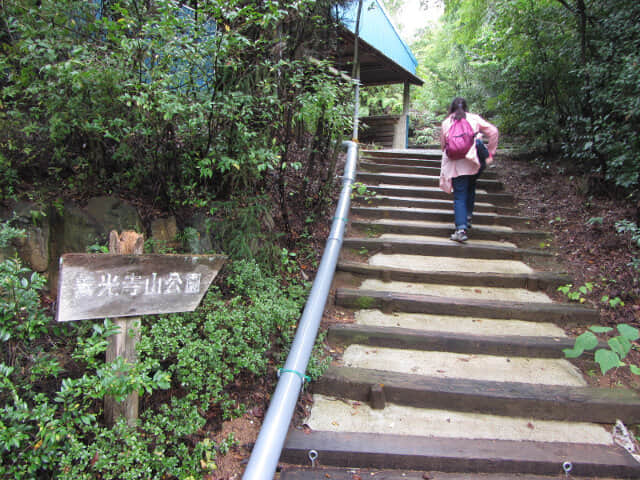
(502, 398)
(376, 450)
(419, 180)
(443, 341)
(445, 247)
(434, 192)
(543, 281)
(429, 204)
(332, 473)
(559, 313)
(390, 168)
(377, 227)
(437, 215)
(423, 154)
(416, 161)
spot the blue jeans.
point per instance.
(464, 197)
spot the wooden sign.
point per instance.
(109, 285)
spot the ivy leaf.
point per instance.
(607, 360)
(628, 332)
(620, 345)
(634, 369)
(600, 329)
(586, 341)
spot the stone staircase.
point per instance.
(453, 367)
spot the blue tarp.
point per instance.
(378, 31)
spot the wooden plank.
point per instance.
(421, 180)
(332, 473)
(524, 238)
(423, 214)
(397, 337)
(365, 166)
(435, 193)
(511, 399)
(106, 285)
(563, 314)
(445, 248)
(408, 202)
(363, 450)
(536, 281)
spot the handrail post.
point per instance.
(268, 447)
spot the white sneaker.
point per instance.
(459, 236)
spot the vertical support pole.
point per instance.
(401, 134)
(123, 343)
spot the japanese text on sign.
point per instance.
(133, 284)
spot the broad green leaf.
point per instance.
(607, 360)
(620, 345)
(586, 341)
(628, 332)
(600, 329)
(634, 369)
(572, 352)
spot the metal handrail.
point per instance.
(268, 447)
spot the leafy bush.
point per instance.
(607, 358)
(53, 379)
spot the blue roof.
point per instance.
(378, 31)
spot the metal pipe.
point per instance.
(268, 447)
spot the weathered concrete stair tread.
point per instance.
(386, 237)
(546, 402)
(458, 325)
(434, 192)
(457, 455)
(419, 180)
(443, 215)
(445, 247)
(494, 368)
(333, 473)
(375, 227)
(396, 301)
(368, 166)
(530, 281)
(426, 263)
(456, 342)
(426, 203)
(456, 291)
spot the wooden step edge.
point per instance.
(510, 399)
(388, 302)
(435, 192)
(334, 473)
(446, 248)
(537, 281)
(422, 180)
(528, 239)
(445, 214)
(366, 450)
(436, 341)
(427, 204)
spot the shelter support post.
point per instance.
(401, 133)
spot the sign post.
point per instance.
(126, 284)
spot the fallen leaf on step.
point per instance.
(530, 425)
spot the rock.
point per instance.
(114, 214)
(164, 233)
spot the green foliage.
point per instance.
(53, 379)
(576, 295)
(557, 73)
(619, 347)
(181, 108)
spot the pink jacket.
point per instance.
(469, 165)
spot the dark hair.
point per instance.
(459, 108)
